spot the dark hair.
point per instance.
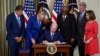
(91, 14)
(19, 7)
(40, 10)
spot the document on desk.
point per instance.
(50, 43)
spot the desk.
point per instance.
(41, 48)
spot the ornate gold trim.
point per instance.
(51, 49)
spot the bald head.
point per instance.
(53, 27)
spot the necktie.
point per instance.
(64, 17)
(39, 22)
(80, 17)
(52, 34)
(19, 22)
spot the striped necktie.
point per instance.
(52, 34)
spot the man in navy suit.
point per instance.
(15, 30)
(81, 22)
(34, 28)
(51, 35)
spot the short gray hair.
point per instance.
(83, 4)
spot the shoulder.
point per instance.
(32, 18)
(46, 31)
(95, 22)
(35, 16)
(58, 32)
(11, 14)
(59, 15)
(71, 15)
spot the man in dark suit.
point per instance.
(81, 21)
(34, 28)
(67, 26)
(51, 35)
(15, 30)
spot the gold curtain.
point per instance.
(6, 7)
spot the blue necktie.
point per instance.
(39, 22)
(80, 17)
(19, 22)
(52, 34)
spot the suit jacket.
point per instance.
(81, 25)
(67, 27)
(12, 26)
(34, 28)
(47, 36)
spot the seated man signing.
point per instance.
(51, 35)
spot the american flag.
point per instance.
(29, 10)
(56, 10)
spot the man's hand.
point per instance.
(33, 41)
(57, 42)
(72, 40)
(45, 41)
(18, 39)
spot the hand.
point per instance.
(84, 39)
(72, 40)
(45, 41)
(88, 41)
(20, 39)
(33, 41)
(57, 42)
(17, 39)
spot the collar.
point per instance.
(15, 14)
(83, 13)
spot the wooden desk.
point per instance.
(41, 48)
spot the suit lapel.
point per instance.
(37, 21)
(21, 20)
(84, 16)
(49, 35)
(15, 19)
